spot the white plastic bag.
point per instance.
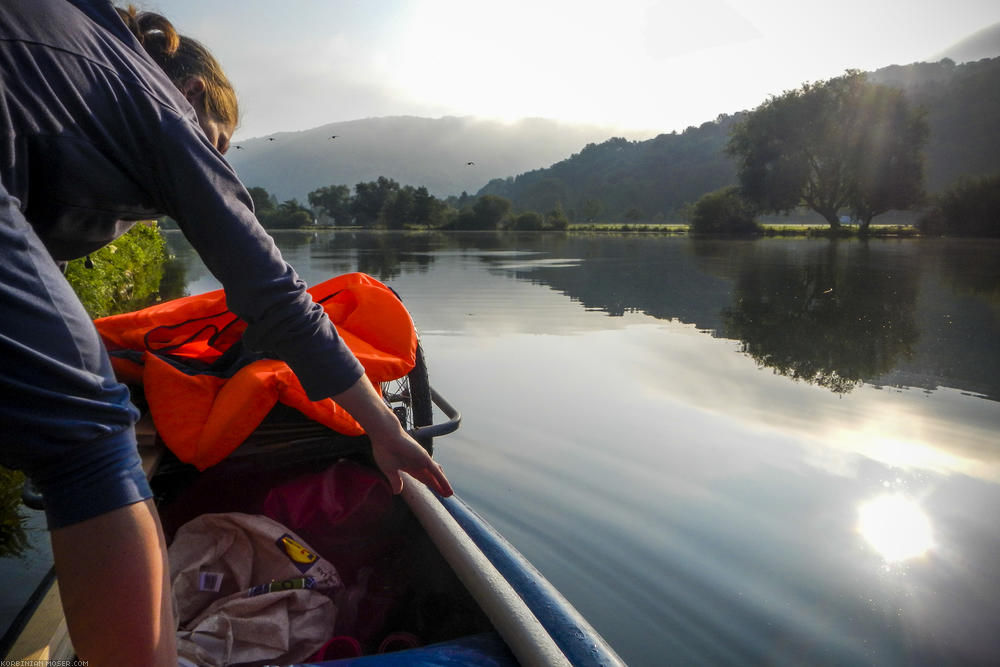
(220, 568)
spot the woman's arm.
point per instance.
(394, 450)
(214, 211)
(115, 588)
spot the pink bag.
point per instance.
(349, 515)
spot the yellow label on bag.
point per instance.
(297, 553)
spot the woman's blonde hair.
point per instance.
(182, 58)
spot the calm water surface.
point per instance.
(721, 452)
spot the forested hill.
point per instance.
(656, 178)
(963, 112)
(430, 152)
(621, 179)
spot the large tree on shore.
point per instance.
(842, 144)
(334, 201)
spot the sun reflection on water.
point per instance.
(895, 527)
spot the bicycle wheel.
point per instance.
(410, 398)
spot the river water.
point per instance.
(725, 452)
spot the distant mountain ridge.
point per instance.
(447, 155)
(984, 43)
(655, 179)
(539, 164)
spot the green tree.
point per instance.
(528, 221)
(724, 211)
(263, 201)
(840, 144)
(971, 207)
(463, 220)
(333, 201)
(398, 208)
(428, 210)
(490, 211)
(290, 214)
(369, 198)
(556, 218)
(886, 154)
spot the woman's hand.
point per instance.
(401, 453)
(394, 450)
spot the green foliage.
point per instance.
(724, 211)
(658, 176)
(962, 103)
(380, 203)
(556, 219)
(969, 208)
(428, 211)
(462, 201)
(370, 198)
(464, 220)
(398, 209)
(13, 537)
(663, 175)
(263, 201)
(125, 275)
(529, 221)
(411, 206)
(487, 213)
(490, 211)
(289, 214)
(843, 143)
(333, 201)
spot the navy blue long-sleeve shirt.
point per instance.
(95, 135)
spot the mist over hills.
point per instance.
(984, 43)
(432, 152)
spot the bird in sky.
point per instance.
(238, 147)
(334, 136)
(270, 138)
(470, 163)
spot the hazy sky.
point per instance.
(635, 64)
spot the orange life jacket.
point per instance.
(205, 399)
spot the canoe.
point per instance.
(474, 600)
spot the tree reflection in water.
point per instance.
(832, 312)
(833, 317)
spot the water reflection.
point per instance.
(895, 527)
(830, 316)
(837, 314)
(834, 313)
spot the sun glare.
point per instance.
(895, 527)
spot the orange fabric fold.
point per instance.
(202, 413)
